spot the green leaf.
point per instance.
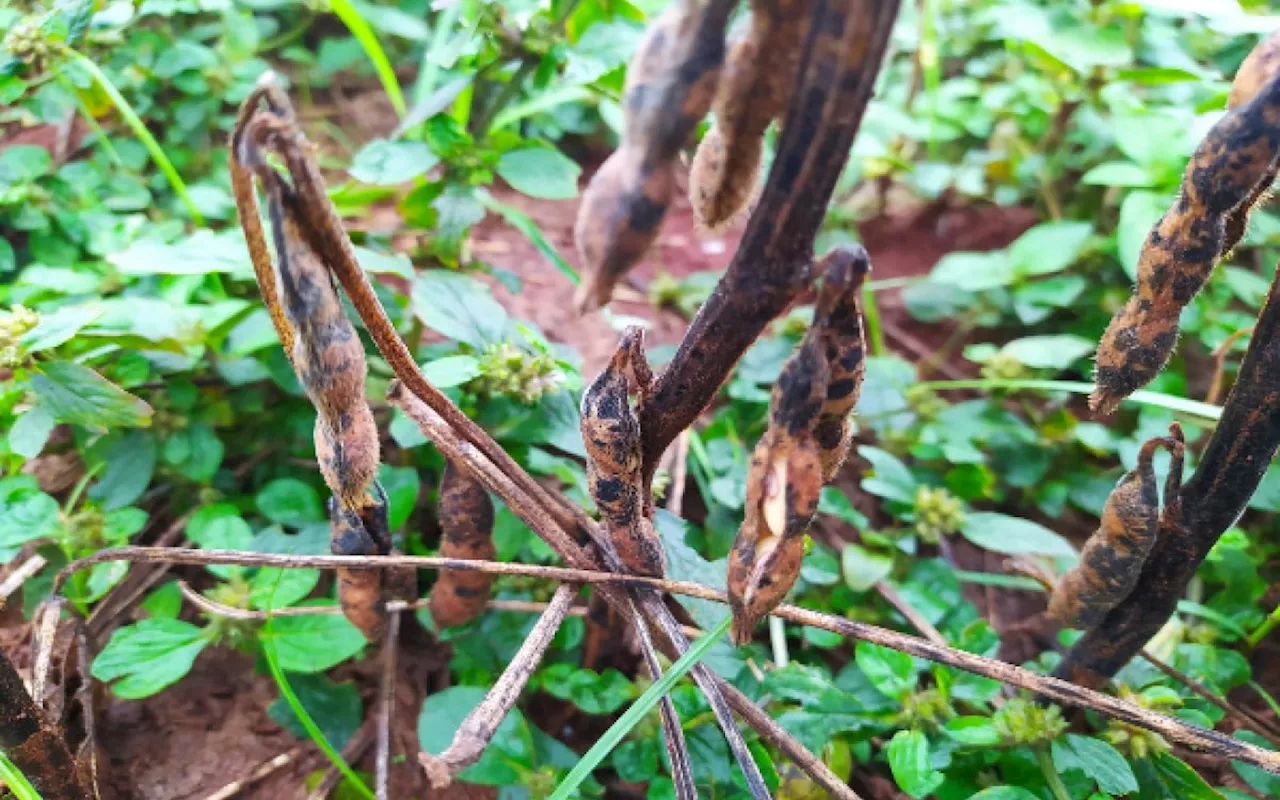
(1050, 247)
(26, 514)
(149, 655)
(220, 528)
(594, 693)
(637, 760)
(386, 163)
(335, 707)
(402, 485)
(1097, 759)
(459, 307)
(909, 763)
(1050, 351)
(540, 172)
(59, 327)
(1010, 536)
(974, 272)
(863, 568)
(277, 587)
(31, 431)
(973, 730)
(131, 462)
(290, 502)
(8, 259)
(451, 371)
(1139, 213)
(1124, 174)
(1004, 793)
(1181, 780)
(890, 479)
(315, 643)
(1261, 781)
(891, 672)
(78, 395)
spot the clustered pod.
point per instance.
(806, 442)
(1112, 559)
(466, 521)
(1231, 172)
(754, 90)
(670, 85)
(611, 435)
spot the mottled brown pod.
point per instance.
(1112, 559)
(838, 320)
(1261, 66)
(611, 435)
(1228, 171)
(784, 482)
(753, 91)
(466, 518)
(359, 591)
(670, 86)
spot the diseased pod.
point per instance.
(803, 447)
(754, 89)
(1231, 172)
(671, 83)
(466, 520)
(327, 356)
(611, 435)
(1112, 559)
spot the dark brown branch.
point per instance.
(1237, 456)
(33, 744)
(1053, 688)
(837, 74)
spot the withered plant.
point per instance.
(822, 62)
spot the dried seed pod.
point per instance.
(1262, 64)
(1112, 559)
(838, 319)
(753, 91)
(1234, 159)
(359, 591)
(466, 517)
(611, 435)
(671, 83)
(784, 481)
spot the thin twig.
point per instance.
(917, 620)
(386, 705)
(84, 696)
(1053, 688)
(477, 730)
(264, 770)
(1220, 354)
(1244, 717)
(45, 631)
(133, 585)
(14, 580)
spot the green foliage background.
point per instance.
(138, 360)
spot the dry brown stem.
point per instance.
(477, 730)
(1053, 688)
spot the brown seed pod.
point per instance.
(611, 435)
(784, 482)
(466, 517)
(670, 86)
(1261, 66)
(838, 319)
(1113, 557)
(359, 591)
(1235, 157)
(753, 91)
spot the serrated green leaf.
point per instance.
(31, 431)
(1001, 533)
(540, 172)
(459, 307)
(78, 395)
(315, 643)
(909, 762)
(148, 656)
(1097, 759)
(290, 502)
(335, 707)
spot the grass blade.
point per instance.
(13, 779)
(140, 130)
(1180, 404)
(364, 34)
(641, 707)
